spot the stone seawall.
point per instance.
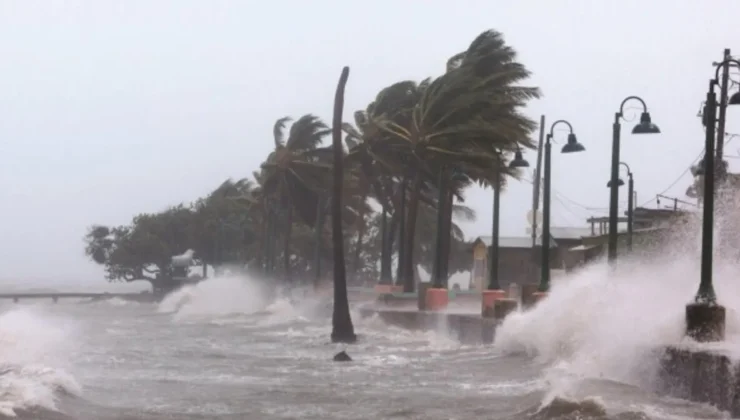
(466, 328)
(704, 376)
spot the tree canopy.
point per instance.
(413, 151)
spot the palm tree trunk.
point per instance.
(401, 233)
(318, 230)
(270, 242)
(342, 329)
(385, 251)
(447, 239)
(409, 283)
(287, 238)
(264, 252)
(440, 243)
(358, 247)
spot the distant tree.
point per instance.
(142, 250)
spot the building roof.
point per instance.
(514, 241)
(569, 232)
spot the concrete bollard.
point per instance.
(421, 296)
(515, 292)
(704, 322)
(538, 296)
(503, 307)
(528, 290)
(436, 299)
(488, 300)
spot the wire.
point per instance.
(730, 137)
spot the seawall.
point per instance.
(704, 376)
(468, 328)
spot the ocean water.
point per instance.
(224, 349)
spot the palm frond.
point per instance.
(277, 131)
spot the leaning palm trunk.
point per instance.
(287, 238)
(401, 233)
(356, 265)
(385, 250)
(342, 329)
(409, 284)
(447, 238)
(318, 236)
(438, 265)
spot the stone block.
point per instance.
(504, 307)
(527, 292)
(705, 322)
(701, 376)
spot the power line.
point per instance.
(729, 136)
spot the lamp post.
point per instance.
(572, 146)
(645, 126)
(493, 265)
(630, 202)
(436, 297)
(493, 292)
(705, 319)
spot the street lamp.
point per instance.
(705, 319)
(493, 281)
(645, 126)
(630, 202)
(572, 146)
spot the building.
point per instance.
(519, 262)
(572, 247)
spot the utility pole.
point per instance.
(536, 194)
(720, 169)
(723, 104)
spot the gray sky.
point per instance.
(108, 108)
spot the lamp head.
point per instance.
(572, 146)
(734, 99)
(518, 161)
(619, 183)
(645, 126)
(691, 192)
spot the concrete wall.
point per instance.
(468, 329)
(702, 376)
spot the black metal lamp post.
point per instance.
(572, 146)
(645, 126)
(517, 162)
(705, 319)
(630, 202)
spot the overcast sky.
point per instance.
(109, 108)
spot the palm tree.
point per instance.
(467, 117)
(342, 329)
(293, 174)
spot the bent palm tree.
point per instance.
(466, 117)
(293, 174)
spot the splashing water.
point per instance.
(611, 325)
(218, 296)
(33, 349)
